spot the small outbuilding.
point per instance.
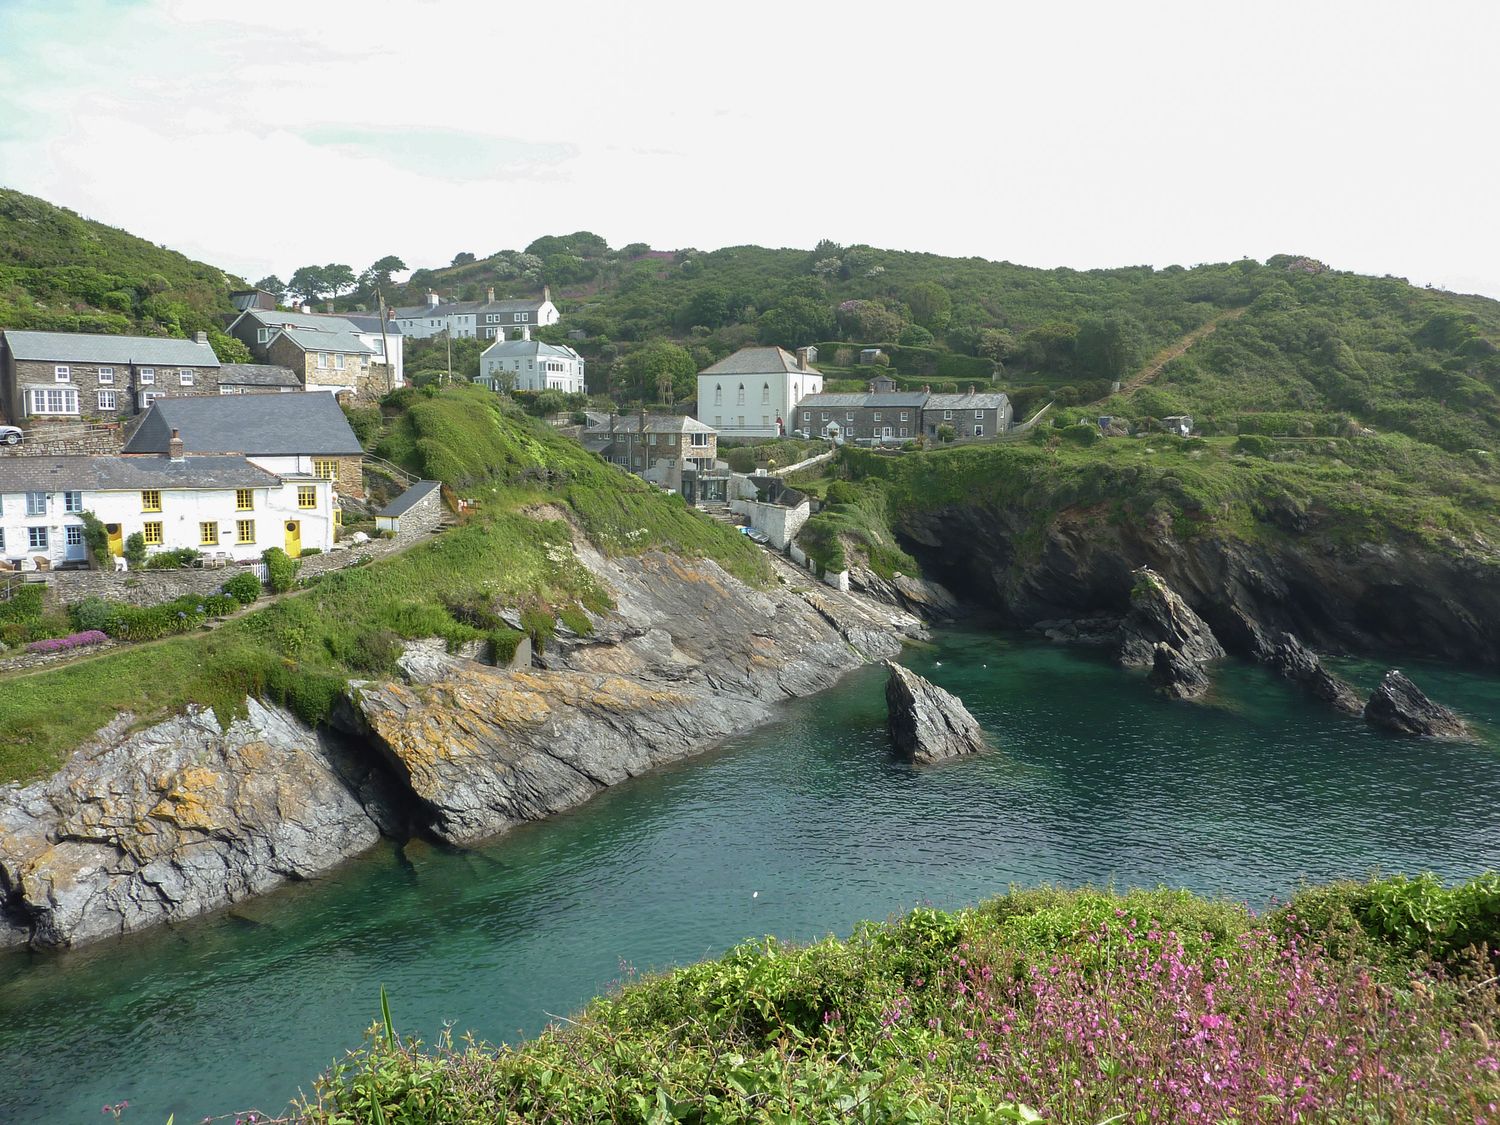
(422, 504)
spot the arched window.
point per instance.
(718, 394)
(765, 394)
(741, 400)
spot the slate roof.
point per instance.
(82, 347)
(759, 361)
(911, 400)
(830, 401)
(94, 473)
(517, 349)
(655, 424)
(322, 340)
(995, 401)
(369, 323)
(289, 425)
(257, 375)
(408, 499)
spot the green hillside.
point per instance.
(65, 273)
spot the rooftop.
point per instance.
(282, 425)
(511, 349)
(408, 499)
(655, 424)
(759, 361)
(450, 308)
(126, 472)
(971, 401)
(257, 375)
(82, 347)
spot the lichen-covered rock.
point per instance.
(1399, 705)
(1174, 675)
(177, 819)
(1157, 614)
(1289, 657)
(927, 723)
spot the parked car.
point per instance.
(11, 435)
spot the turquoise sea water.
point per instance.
(1095, 780)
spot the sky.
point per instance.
(266, 135)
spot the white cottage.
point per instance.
(753, 392)
(530, 365)
(219, 504)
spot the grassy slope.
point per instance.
(301, 650)
(61, 272)
(1083, 1004)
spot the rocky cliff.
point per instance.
(1355, 597)
(159, 824)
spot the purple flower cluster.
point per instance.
(73, 640)
(1264, 1030)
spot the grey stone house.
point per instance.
(48, 377)
(972, 415)
(891, 416)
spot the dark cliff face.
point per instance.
(1368, 598)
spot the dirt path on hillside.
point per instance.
(1154, 365)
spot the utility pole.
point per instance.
(448, 335)
(385, 344)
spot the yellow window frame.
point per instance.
(150, 499)
(208, 533)
(307, 497)
(151, 533)
(244, 499)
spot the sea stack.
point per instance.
(1399, 705)
(927, 723)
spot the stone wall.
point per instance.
(136, 587)
(350, 477)
(69, 438)
(780, 524)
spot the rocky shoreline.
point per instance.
(157, 825)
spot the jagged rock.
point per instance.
(927, 723)
(1174, 675)
(1158, 614)
(1289, 657)
(177, 819)
(922, 596)
(1399, 705)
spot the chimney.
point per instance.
(926, 388)
(869, 388)
(801, 359)
(201, 337)
(971, 388)
(176, 451)
(329, 307)
(432, 299)
(525, 331)
(546, 292)
(304, 308)
(489, 295)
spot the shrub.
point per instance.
(73, 640)
(135, 550)
(95, 536)
(309, 552)
(281, 570)
(175, 559)
(946, 433)
(503, 643)
(91, 613)
(221, 605)
(1254, 444)
(243, 587)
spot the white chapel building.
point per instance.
(753, 392)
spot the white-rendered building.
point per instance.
(482, 320)
(530, 365)
(752, 393)
(219, 503)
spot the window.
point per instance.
(262, 335)
(825, 415)
(765, 394)
(849, 417)
(185, 377)
(947, 416)
(151, 533)
(106, 374)
(73, 535)
(148, 397)
(903, 431)
(106, 400)
(322, 359)
(36, 538)
(208, 534)
(904, 417)
(520, 317)
(54, 400)
(325, 469)
(148, 376)
(765, 419)
(653, 439)
(62, 374)
(338, 361)
(151, 500)
(307, 496)
(740, 401)
(36, 503)
(492, 318)
(718, 421)
(700, 441)
(244, 499)
(877, 415)
(72, 501)
(718, 394)
(979, 415)
(978, 430)
(244, 531)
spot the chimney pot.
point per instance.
(176, 450)
(304, 308)
(546, 292)
(329, 306)
(489, 295)
(432, 299)
(201, 337)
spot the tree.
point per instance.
(708, 306)
(1109, 347)
(378, 276)
(463, 258)
(660, 370)
(339, 278)
(795, 321)
(868, 322)
(930, 305)
(308, 283)
(273, 285)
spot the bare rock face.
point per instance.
(175, 820)
(1158, 614)
(1399, 705)
(1289, 657)
(927, 723)
(1174, 675)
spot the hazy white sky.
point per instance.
(268, 134)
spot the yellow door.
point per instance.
(116, 538)
(294, 538)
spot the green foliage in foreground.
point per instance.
(947, 1016)
(855, 519)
